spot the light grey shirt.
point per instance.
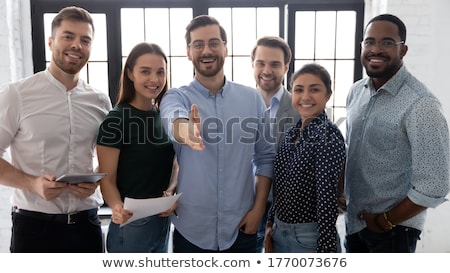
(398, 146)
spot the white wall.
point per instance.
(5, 73)
(428, 57)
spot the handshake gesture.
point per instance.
(187, 131)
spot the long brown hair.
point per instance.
(126, 87)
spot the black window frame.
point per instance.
(111, 8)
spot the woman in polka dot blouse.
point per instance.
(307, 168)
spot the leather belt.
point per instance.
(69, 218)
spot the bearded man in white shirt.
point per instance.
(50, 122)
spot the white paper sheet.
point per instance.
(147, 207)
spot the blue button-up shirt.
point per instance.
(398, 147)
(218, 183)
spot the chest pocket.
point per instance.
(382, 134)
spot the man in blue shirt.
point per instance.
(218, 133)
(398, 147)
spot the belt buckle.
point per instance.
(70, 220)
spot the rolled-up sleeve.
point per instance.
(429, 139)
(264, 151)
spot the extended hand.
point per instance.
(188, 131)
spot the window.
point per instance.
(327, 32)
(244, 26)
(328, 35)
(165, 27)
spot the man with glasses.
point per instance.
(398, 147)
(218, 133)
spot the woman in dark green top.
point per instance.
(136, 153)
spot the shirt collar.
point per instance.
(393, 85)
(320, 119)
(205, 92)
(60, 85)
(319, 122)
(277, 97)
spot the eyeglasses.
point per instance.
(214, 44)
(383, 44)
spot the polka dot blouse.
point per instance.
(307, 169)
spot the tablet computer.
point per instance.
(80, 177)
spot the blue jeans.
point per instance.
(262, 229)
(245, 243)
(400, 239)
(296, 238)
(145, 235)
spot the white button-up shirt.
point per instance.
(51, 131)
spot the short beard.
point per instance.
(270, 88)
(389, 71)
(67, 68)
(209, 72)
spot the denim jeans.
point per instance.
(297, 238)
(400, 239)
(145, 235)
(245, 243)
(262, 229)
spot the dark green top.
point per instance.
(146, 152)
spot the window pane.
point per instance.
(345, 34)
(98, 75)
(181, 71)
(99, 50)
(83, 74)
(325, 34)
(267, 22)
(179, 19)
(243, 72)
(132, 28)
(157, 28)
(228, 68)
(343, 81)
(124, 59)
(244, 30)
(305, 22)
(299, 63)
(48, 17)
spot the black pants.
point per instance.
(400, 239)
(36, 235)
